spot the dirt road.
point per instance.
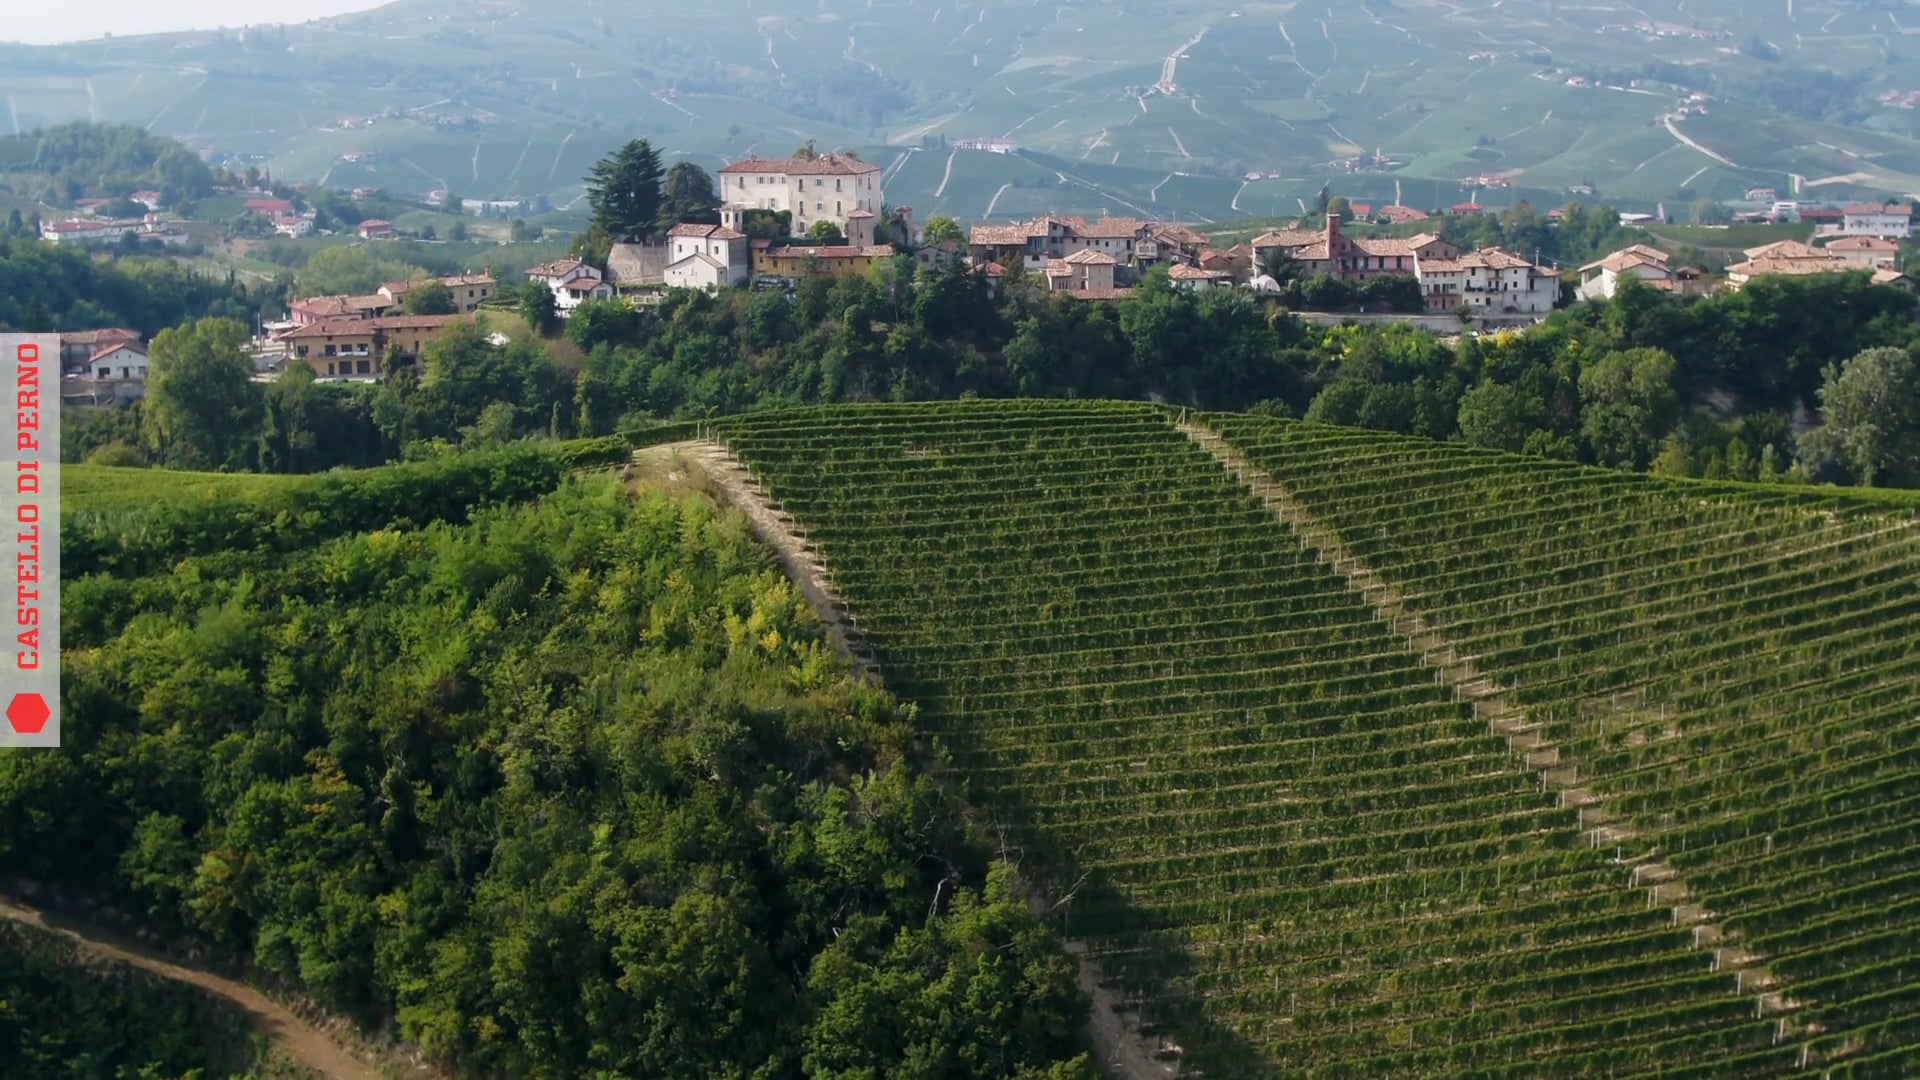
(288, 1033)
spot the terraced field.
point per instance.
(1285, 821)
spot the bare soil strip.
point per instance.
(1650, 871)
(299, 1040)
(1119, 1046)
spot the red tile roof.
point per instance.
(558, 268)
(97, 337)
(357, 327)
(707, 232)
(270, 206)
(114, 347)
(824, 165)
(1896, 209)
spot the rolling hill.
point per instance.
(1359, 755)
(1175, 103)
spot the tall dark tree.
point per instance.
(624, 190)
(688, 195)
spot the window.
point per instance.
(329, 367)
(301, 351)
(820, 206)
(803, 184)
(330, 352)
(364, 366)
(836, 185)
(836, 206)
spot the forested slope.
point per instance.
(549, 779)
(1297, 845)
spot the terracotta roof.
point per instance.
(1786, 249)
(1888, 277)
(356, 327)
(845, 251)
(1627, 258)
(706, 232)
(1895, 209)
(1467, 206)
(330, 307)
(114, 347)
(584, 283)
(376, 223)
(270, 206)
(1105, 293)
(1058, 268)
(1183, 272)
(1862, 243)
(1110, 228)
(1769, 264)
(557, 268)
(1402, 213)
(824, 165)
(1241, 250)
(998, 235)
(1390, 245)
(1484, 259)
(1289, 238)
(1179, 234)
(860, 214)
(97, 337)
(1090, 257)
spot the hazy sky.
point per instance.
(43, 22)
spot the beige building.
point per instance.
(1599, 279)
(1866, 252)
(355, 348)
(468, 289)
(1786, 258)
(839, 188)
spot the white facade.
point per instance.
(1488, 282)
(123, 363)
(1599, 280)
(1890, 220)
(708, 256)
(573, 283)
(826, 188)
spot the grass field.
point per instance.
(111, 488)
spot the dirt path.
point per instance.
(707, 464)
(288, 1033)
(1662, 880)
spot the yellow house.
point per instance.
(340, 348)
(793, 261)
(467, 289)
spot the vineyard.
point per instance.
(1282, 819)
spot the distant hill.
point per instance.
(1362, 755)
(1123, 106)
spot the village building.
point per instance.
(1865, 252)
(357, 348)
(1086, 275)
(709, 257)
(1036, 243)
(1184, 276)
(1331, 252)
(122, 361)
(790, 262)
(1487, 283)
(1599, 279)
(82, 231)
(1785, 258)
(1172, 244)
(468, 290)
(1891, 220)
(374, 229)
(839, 188)
(316, 309)
(573, 283)
(77, 347)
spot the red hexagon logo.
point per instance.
(28, 713)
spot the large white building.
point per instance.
(830, 187)
(1599, 280)
(573, 283)
(1876, 219)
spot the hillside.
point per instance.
(1364, 755)
(1134, 104)
(539, 775)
